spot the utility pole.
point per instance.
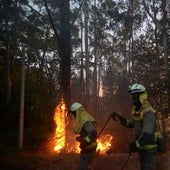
(21, 116)
(85, 9)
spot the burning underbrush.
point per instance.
(60, 150)
(64, 139)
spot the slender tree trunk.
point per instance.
(82, 90)
(21, 116)
(95, 83)
(8, 77)
(86, 49)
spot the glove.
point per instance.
(113, 116)
(132, 147)
(78, 139)
(83, 143)
(116, 116)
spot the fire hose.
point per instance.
(104, 126)
(126, 161)
(101, 133)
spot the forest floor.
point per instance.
(26, 160)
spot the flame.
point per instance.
(104, 143)
(74, 148)
(60, 132)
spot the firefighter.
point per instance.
(85, 128)
(144, 122)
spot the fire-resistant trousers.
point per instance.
(148, 159)
(85, 160)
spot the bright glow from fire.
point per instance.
(60, 120)
(104, 143)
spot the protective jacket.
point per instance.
(86, 128)
(144, 120)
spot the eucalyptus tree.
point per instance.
(11, 33)
(158, 12)
(121, 47)
(111, 29)
(63, 44)
(10, 11)
(25, 26)
(102, 49)
(109, 33)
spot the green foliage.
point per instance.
(27, 28)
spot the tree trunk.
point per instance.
(86, 50)
(82, 84)
(65, 50)
(8, 77)
(165, 44)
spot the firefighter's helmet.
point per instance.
(75, 106)
(136, 88)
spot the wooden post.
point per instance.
(21, 116)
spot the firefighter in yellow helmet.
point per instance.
(85, 128)
(144, 122)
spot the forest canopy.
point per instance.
(88, 51)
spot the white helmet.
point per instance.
(75, 106)
(136, 88)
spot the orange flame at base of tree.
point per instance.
(60, 132)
